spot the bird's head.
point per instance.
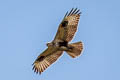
(49, 44)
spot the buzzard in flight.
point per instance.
(55, 49)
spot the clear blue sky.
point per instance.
(27, 25)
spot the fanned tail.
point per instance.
(75, 49)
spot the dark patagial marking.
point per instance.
(65, 43)
(41, 58)
(64, 23)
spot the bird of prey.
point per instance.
(64, 35)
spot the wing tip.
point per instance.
(73, 11)
(35, 69)
(38, 69)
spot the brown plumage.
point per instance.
(68, 26)
(64, 35)
(49, 56)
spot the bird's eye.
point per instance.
(64, 23)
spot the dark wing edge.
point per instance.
(40, 65)
(73, 11)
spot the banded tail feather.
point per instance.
(75, 49)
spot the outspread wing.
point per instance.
(68, 26)
(45, 59)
